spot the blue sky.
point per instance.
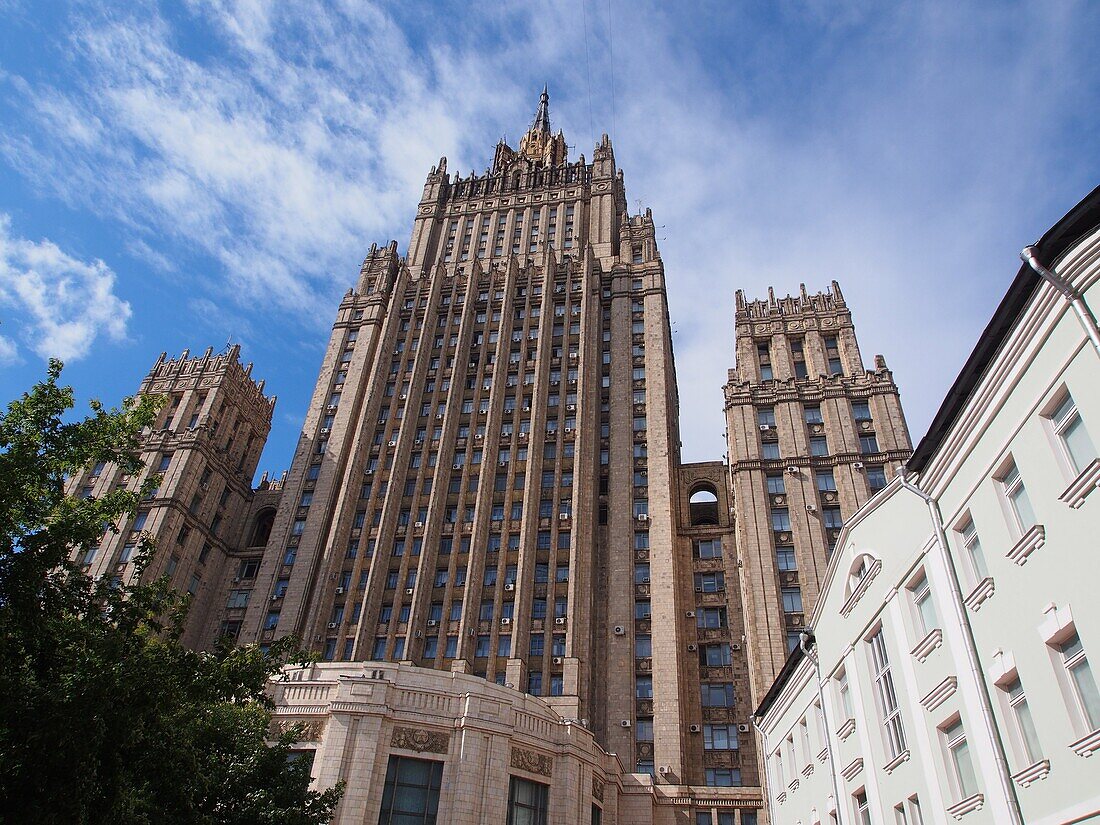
(175, 175)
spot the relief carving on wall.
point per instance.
(312, 729)
(532, 762)
(420, 740)
(597, 788)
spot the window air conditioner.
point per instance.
(620, 630)
(509, 587)
(332, 625)
(393, 443)
(559, 620)
(694, 728)
(857, 465)
(643, 517)
(765, 427)
(557, 660)
(625, 723)
(433, 622)
(690, 614)
(742, 728)
(325, 431)
(792, 470)
(339, 591)
(505, 621)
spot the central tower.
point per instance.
(489, 455)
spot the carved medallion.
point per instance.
(532, 762)
(597, 788)
(420, 740)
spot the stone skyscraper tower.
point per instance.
(812, 436)
(489, 481)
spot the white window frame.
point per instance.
(1077, 661)
(1057, 428)
(1010, 483)
(951, 745)
(1015, 702)
(886, 693)
(971, 543)
(920, 594)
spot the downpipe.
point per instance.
(1072, 296)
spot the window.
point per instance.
(781, 519)
(643, 687)
(1082, 684)
(863, 810)
(716, 655)
(925, 607)
(719, 737)
(717, 694)
(861, 410)
(776, 486)
(792, 600)
(876, 477)
(712, 617)
(765, 416)
(826, 483)
(832, 352)
(710, 582)
(411, 792)
(844, 696)
(830, 517)
(959, 761)
(868, 443)
(819, 446)
(973, 547)
(785, 559)
(643, 729)
(1027, 738)
(813, 415)
(886, 695)
(770, 450)
(763, 355)
(1072, 435)
(1012, 487)
(724, 778)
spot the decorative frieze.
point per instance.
(421, 740)
(532, 761)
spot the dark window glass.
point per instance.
(411, 792)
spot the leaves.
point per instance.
(104, 715)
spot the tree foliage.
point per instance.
(104, 716)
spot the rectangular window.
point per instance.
(826, 483)
(868, 443)
(776, 485)
(785, 559)
(724, 778)
(861, 410)
(973, 547)
(717, 694)
(770, 450)
(1072, 435)
(959, 761)
(886, 695)
(411, 791)
(830, 517)
(1081, 681)
(792, 600)
(781, 519)
(1015, 494)
(819, 446)
(925, 607)
(876, 477)
(643, 687)
(719, 737)
(813, 415)
(863, 809)
(1027, 738)
(765, 416)
(527, 802)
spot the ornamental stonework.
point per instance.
(597, 788)
(311, 730)
(532, 762)
(420, 740)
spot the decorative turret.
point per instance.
(539, 144)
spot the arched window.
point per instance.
(703, 505)
(261, 532)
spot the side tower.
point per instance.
(812, 435)
(205, 446)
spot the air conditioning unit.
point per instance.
(559, 620)
(505, 621)
(509, 587)
(694, 728)
(857, 465)
(276, 596)
(620, 630)
(478, 436)
(368, 472)
(811, 508)
(645, 579)
(569, 429)
(408, 591)
(573, 355)
(331, 408)
(554, 383)
(643, 517)
(792, 470)
(433, 623)
(456, 466)
(563, 516)
(403, 396)
(689, 614)
(522, 434)
(527, 409)
(664, 770)
(557, 660)
(418, 524)
(393, 443)
(333, 625)
(698, 590)
(236, 579)
(440, 416)
(765, 427)
(325, 431)
(692, 647)
(625, 723)
(742, 728)
(735, 647)
(339, 591)
(419, 634)
(570, 407)
(503, 463)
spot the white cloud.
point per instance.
(60, 303)
(906, 151)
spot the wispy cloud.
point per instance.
(58, 304)
(906, 150)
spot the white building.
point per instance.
(948, 674)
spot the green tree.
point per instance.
(104, 715)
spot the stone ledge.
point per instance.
(971, 803)
(853, 769)
(979, 594)
(897, 761)
(1080, 487)
(845, 730)
(940, 693)
(1087, 745)
(923, 649)
(1029, 542)
(1032, 773)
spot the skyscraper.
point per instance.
(812, 436)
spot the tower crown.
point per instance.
(539, 144)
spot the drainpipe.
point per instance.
(1004, 775)
(805, 641)
(766, 783)
(1075, 299)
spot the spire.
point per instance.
(542, 115)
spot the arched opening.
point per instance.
(261, 531)
(703, 505)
